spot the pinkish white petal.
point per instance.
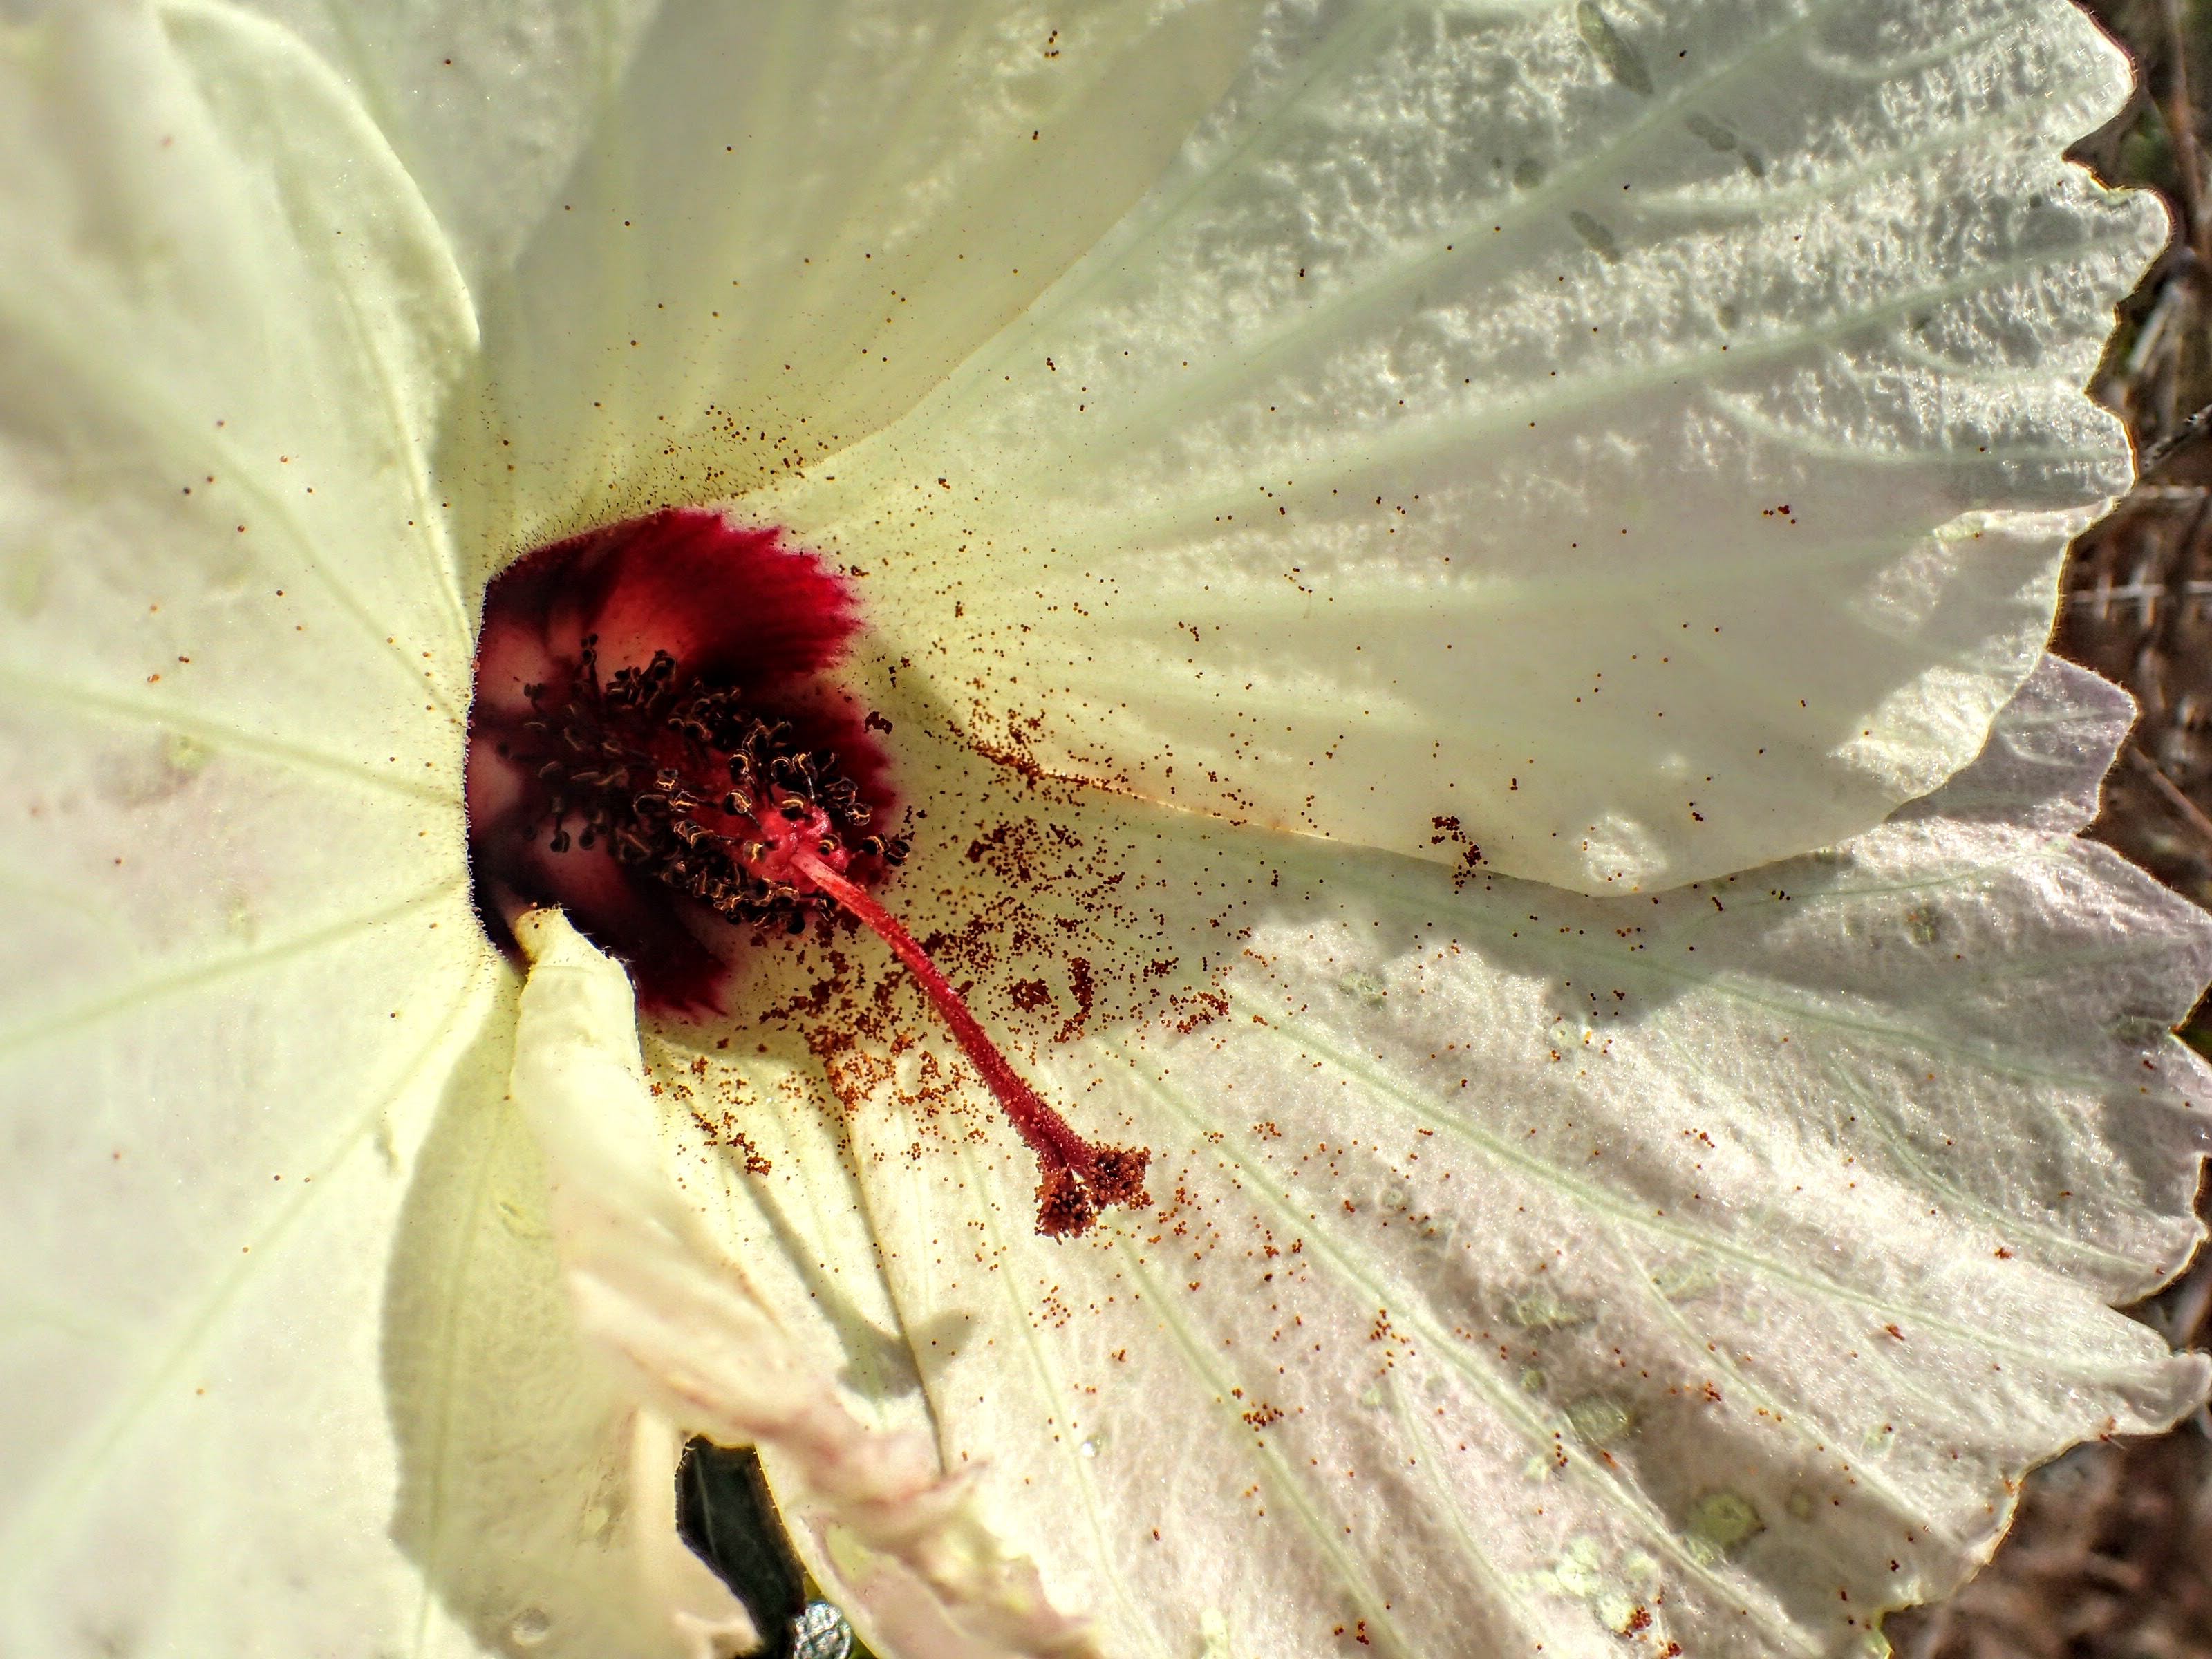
(692, 1339)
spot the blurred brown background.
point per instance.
(2111, 1555)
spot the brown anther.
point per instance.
(1063, 1207)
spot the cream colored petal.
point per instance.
(792, 218)
(1636, 441)
(538, 1495)
(1527, 1267)
(690, 1336)
(239, 956)
(486, 101)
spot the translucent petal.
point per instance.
(224, 353)
(241, 955)
(1635, 441)
(688, 1336)
(1529, 1267)
(487, 104)
(791, 219)
(535, 1495)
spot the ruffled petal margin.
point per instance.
(1618, 446)
(1529, 1267)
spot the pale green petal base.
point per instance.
(791, 221)
(486, 104)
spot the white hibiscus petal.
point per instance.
(1655, 428)
(693, 1339)
(224, 355)
(793, 219)
(487, 104)
(232, 674)
(538, 1496)
(1530, 1266)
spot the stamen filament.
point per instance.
(1077, 1178)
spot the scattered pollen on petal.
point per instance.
(654, 749)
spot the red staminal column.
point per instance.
(654, 747)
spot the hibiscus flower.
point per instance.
(1456, 592)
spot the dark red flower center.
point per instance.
(683, 780)
(655, 748)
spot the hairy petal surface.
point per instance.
(487, 104)
(1534, 1267)
(693, 1340)
(790, 221)
(1635, 441)
(233, 664)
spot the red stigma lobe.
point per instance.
(653, 749)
